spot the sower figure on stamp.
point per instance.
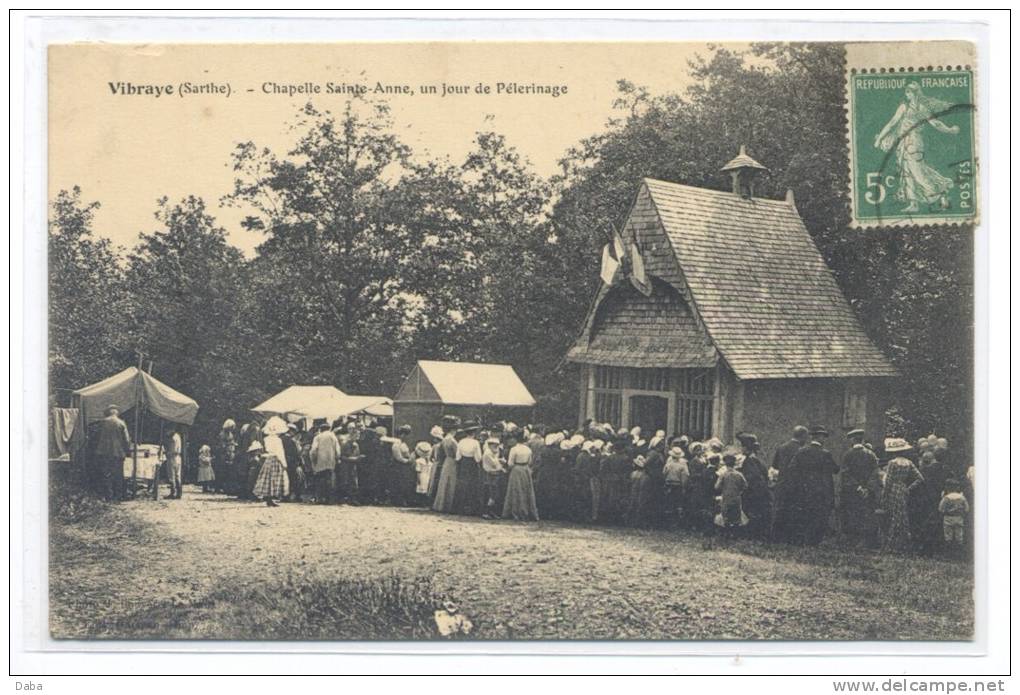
(919, 182)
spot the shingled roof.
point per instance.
(757, 284)
(631, 330)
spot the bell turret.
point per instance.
(743, 170)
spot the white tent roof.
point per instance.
(318, 402)
(381, 409)
(473, 383)
(309, 401)
(373, 405)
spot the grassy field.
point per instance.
(209, 567)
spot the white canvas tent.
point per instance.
(313, 402)
(465, 383)
(465, 389)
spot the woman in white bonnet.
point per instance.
(272, 482)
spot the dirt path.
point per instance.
(516, 580)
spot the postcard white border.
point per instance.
(33, 651)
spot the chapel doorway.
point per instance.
(650, 413)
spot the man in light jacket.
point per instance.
(325, 454)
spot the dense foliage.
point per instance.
(373, 257)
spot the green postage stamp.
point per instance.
(912, 134)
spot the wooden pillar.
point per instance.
(737, 400)
(586, 396)
(718, 403)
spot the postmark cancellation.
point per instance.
(912, 135)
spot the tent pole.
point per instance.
(159, 467)
(134, 449)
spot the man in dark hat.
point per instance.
(371, 466)
(113, 445)
(810, 492)
(784, 454)
(858, 493)
(292, 452)
(757, 496)
(784, 517)
(347, 468)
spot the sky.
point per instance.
(127, 146)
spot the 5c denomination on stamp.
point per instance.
(912, 144)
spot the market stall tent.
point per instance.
(313, 402)
(465, 389)
(303, 401)
(131, 389)
(128, 389)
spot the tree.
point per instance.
(89, 310)
(362, 247)
(527, 288)
(185, 280)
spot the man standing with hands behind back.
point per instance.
(113, 444)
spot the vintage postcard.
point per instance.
(512, 341)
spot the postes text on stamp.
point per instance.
(912, 146)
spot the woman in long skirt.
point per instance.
(467, 498)
(520, 491)
(639, 496)
(447, 485)
(271, 484)
(436, 459)
(223, 465)
(901, 477)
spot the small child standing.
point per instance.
(493, 470)
(954, 508)
(423, 463)
(206, 476)
(731, 485)
(675, 474)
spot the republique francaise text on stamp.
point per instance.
(912, 140)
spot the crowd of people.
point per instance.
(901, 498)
